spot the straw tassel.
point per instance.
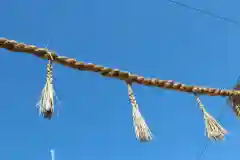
(46, 103)
(143, 133)
(214, 130)
(235, 101)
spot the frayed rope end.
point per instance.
(46, 103)
(142, 131)
(214, 130)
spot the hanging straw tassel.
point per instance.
(46, 103)
(214, 130)
(235, 100)
(143, 133)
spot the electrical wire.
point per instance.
(204, 12)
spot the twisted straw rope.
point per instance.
(15, 46)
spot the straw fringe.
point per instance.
(142, 131)
(235, 100)
(213, 129)
(46, 103)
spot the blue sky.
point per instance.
(93, 121)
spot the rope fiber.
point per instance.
(44, 53)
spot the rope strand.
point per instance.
(15, 46)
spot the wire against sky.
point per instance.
(204, 12)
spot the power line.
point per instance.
(204, 12)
